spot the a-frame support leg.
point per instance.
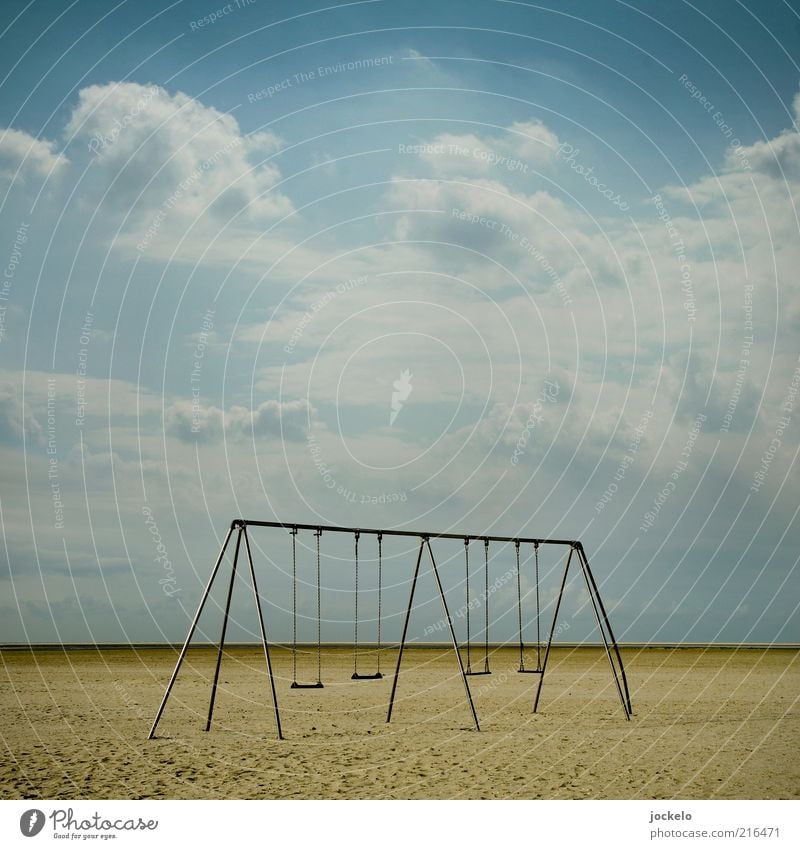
(603, 624)
(405, 630)
(424, 541)
(552, 630)
(242, 534)
(225, 615)
(264, 642)
(189, 636)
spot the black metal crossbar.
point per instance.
(339, 529)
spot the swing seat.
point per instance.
(482, 672)
(295, 685)
(529, 671)
(375, 676)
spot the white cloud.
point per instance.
(537, 236)
(519, 150)
(533, 141)
(778, 157)
(424, 66)
(149, 145)
(627, 337)
(20, 152)
(14, 421)
(287, 419)
(193, 422)
(196, 422)
(623, 334)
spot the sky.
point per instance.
(482, 267)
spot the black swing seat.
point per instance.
(530, 671)
(485, 671)
(358, 677)
(318, 686)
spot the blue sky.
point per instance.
(573, 229)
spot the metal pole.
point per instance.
(552, 630)
(597, 606)
(319, 612)
(263, 636)
(294, 605)
(405, 630)
(355, 639)
(380, 600)
(538, 632)
(466, 560)
(608, 626)
(453, 636)
(224, 629)
(190, 634)
(485, 604)
(394, 533)
(519, 612)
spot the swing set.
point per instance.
(574, 550)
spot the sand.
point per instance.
(715, 723)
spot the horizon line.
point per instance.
(388, 646)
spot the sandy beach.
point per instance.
(713, 723)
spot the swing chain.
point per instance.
(356, 536)
(538, 631)
(519, 610)
(466, 559)
(293, 532)
(486, 604)
(380, 584)
(318, 534)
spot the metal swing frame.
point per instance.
(240, 526)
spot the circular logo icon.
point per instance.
(31, 822)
